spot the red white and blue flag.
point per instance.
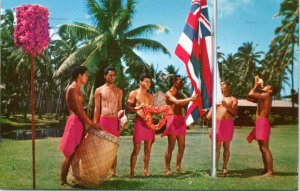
(195, 49)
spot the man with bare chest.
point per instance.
(176, 127)
(108, 102)
(224, 125)
(138, 99)
(262, 95)
(75, 125)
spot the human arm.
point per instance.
(233, 109)
(176, 101)
(254, 96)
(131, 103)
(97, 109)
(209, 114)
(76, 100)
(120, 99)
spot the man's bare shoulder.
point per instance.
(234, 98)
(119, 89)
(99, 89)
(72, 90)
(133, 92)
(168, 93)
(149, 94)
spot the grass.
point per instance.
(245, 164)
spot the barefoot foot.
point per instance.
(63, 182)
(268, 174)
(113, 174)
(225, 172)
(264, 172)
(168, 173)
(146, 173)
(131, 175)
(179, 170)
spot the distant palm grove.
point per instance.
(111, 41)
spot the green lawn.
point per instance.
(245, 164)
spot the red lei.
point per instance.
(148, 111)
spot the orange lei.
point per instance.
(148, 111)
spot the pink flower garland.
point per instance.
(148, 111)
(32, 29)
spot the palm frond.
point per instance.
(146, 30)
(123, 20)
(143, 43)
(97, 13)
(93, 61)
(80, 30)
(75, 57)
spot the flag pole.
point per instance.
(214, 94)
(298, 168)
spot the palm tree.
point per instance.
(60, 50)
(247, 60)
(287, 33)
(228, 68)
(111, 40)
(14, 70)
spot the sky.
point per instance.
(238, 21)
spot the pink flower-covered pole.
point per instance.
(32, 34)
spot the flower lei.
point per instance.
(32, 29)
(148, 111)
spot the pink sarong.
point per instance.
(141, 132)
(261, 131)
(110, 124)
(175, 125)
(225, 128)
(72, 136)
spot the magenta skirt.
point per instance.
(175, 125)
(72, 136)
(225, 128)
(141, 132)
(261, 131)
(110, 125)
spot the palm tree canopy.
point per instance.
(111, 38)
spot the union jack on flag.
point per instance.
(195, 49)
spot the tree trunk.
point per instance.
(40, 100)
(58, 103)
(91, 102)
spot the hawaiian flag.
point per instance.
(195, 49)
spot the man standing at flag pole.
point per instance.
(224, 125)
(195, 50)
(176, 127)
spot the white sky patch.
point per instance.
(2, 12)
(53, 34)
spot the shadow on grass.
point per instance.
(121, 183)
(245, 173)
(253, 172)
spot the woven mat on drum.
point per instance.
(93, 159)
